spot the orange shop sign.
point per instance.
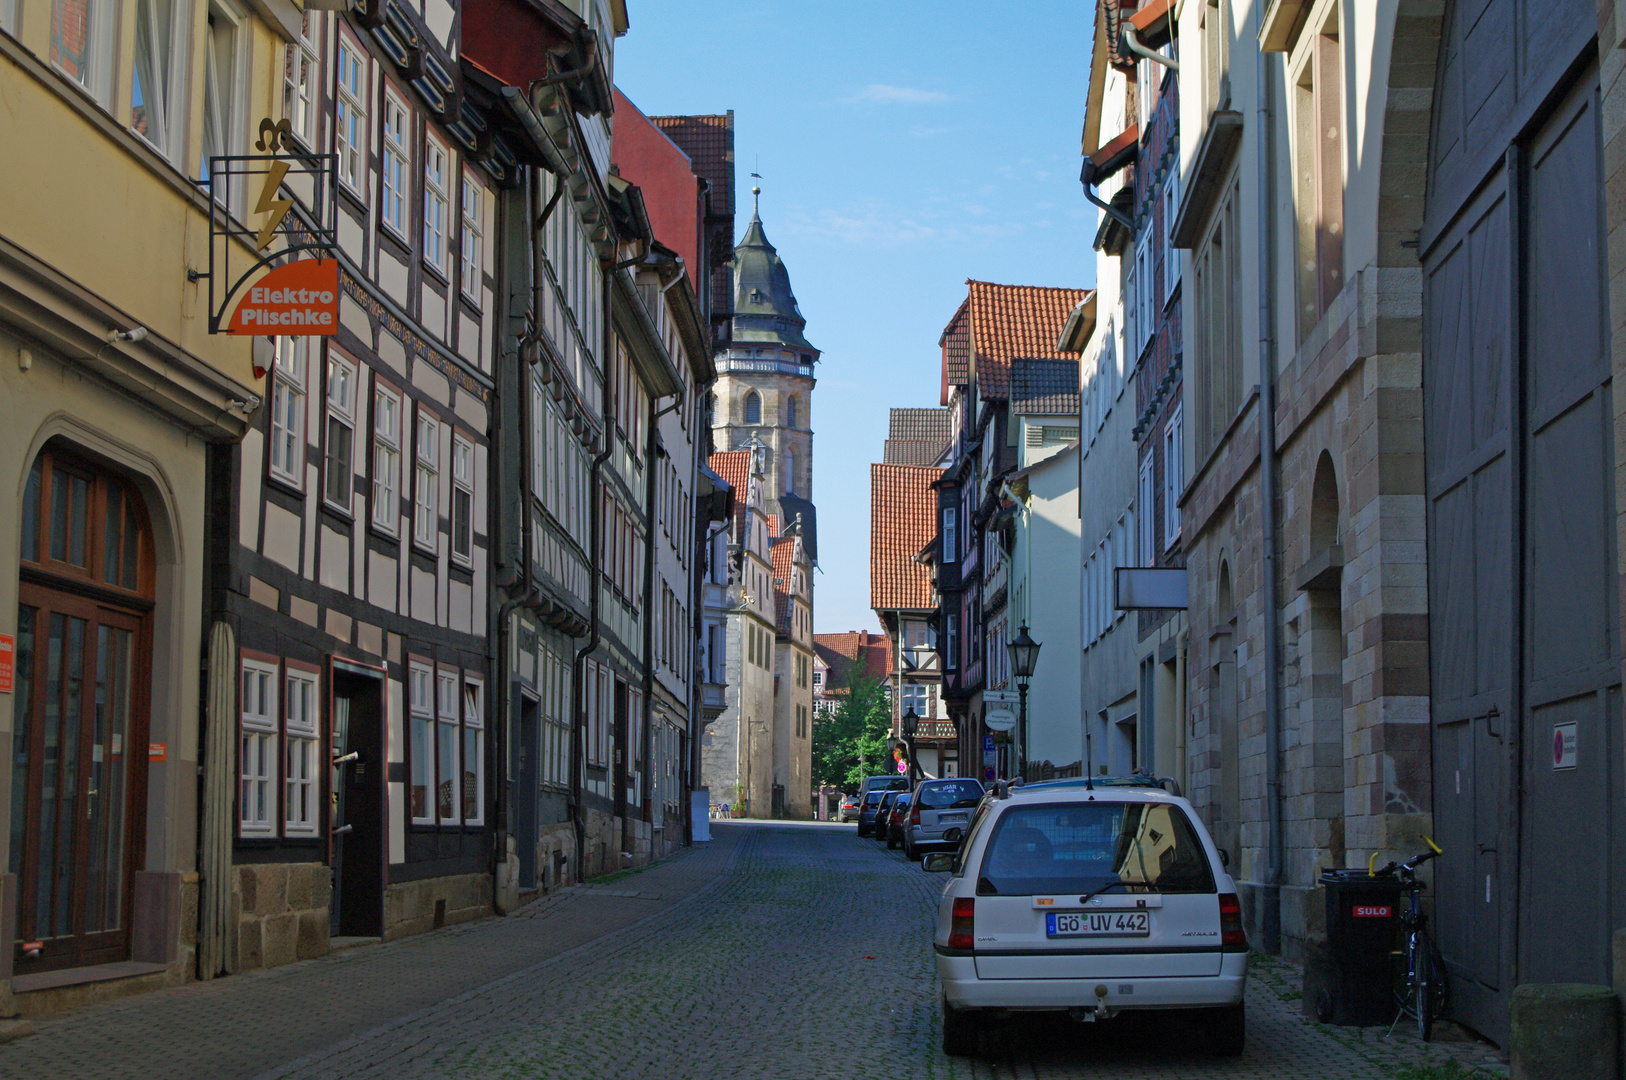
(298, 299)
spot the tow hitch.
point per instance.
(1089, 1014)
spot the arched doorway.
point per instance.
(79, 764)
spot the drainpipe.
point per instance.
(1270, 916)
(595, 489)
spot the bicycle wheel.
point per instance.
(1422, 1006)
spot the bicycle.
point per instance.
(1421, 988)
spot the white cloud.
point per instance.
(882, 94)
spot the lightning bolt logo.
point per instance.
(270, 204)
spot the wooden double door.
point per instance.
(79, 743)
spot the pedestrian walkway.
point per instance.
(777, 950)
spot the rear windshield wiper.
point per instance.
(1093, 893)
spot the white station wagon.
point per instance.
(1088, 900)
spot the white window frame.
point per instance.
(474, 746)
(1145, 289)
(339, 423)
(951, 627)
(100, 41)
(257, 815)
(471, 245)
(462, 497)
(387, 417)
(301, 768)
(394, 167)
(350, 114)
(421, 747)
(437, 203)
(426, 482)
(1173, 474)
(951, 531)
(448, 701)
(1146, 539)
(289, 368)
(301, 81)
(1172, 260)
(164, 113)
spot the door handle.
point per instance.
(342, 829)
(354, 755)
(1485, 849)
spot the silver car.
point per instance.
(939, 814)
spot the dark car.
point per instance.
(866, 811)
(882, 813)
(897, 823)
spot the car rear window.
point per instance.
(1079, 847)
(873, 798)
(950, 794)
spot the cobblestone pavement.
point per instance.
(778, 950)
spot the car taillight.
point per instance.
(1232, 937)
(914, 816)
(960, 923)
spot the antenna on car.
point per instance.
(1089, 757)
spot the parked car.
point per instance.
(886, 782)
(1089, 901)
(898, 820)
(939, 814)
(883, 814)
(849, 808)
(867, 809)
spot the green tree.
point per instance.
(853, 733)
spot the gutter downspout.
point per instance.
(595, 570)
(1087, 177)
(1270, 916)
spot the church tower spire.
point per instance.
(765, 378)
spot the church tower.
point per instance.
(764, 390)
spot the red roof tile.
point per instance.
(903, 519)
(956, 343)
(734, 466)
(1008, 321)
(783, 551)
(841, 651)
(709, 142)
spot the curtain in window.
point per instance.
(154, 43)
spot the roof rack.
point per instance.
(1134, 780)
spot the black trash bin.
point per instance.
(1362, 915)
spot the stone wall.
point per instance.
(282, 913)
(416, 907)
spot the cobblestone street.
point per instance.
(778, 950)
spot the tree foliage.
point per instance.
(849, 742)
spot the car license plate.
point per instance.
(945, 818)
(1098, 923)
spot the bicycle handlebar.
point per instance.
(1412, 863)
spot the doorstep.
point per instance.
(56, 980)
(343, 944)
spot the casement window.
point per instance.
(155, 90)
(448, 804)
(421, 722)
(82, 38)
(462, 499)
(350, 114)
(1318, 168)
(1171, 254)
(951, 641)
(393, 169)
(300, 782)
(951, 538)
(257, 761)
(913, 699)
(338, 467)
(474, 752)
(287, 458)
(1145, 293)
(553, 687)
(436, 204)
(386, 458)
(470, 272)
(301, 75)
(1216, 355)
(426, 483)
(222, 79)
(1173, 474)
(753, 408)
(1145, 553)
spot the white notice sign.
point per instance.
(1000, 720)
(1564, 746)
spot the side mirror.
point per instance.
(938, 862)
(1225, 858)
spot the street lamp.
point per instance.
(911, 725)
(1024, 658)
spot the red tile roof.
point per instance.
(1008, 321)
(783, 551)
(956, 343)
(841, 651)
(734, 466)
(709, 142)
(903, 519)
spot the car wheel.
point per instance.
(1228, 1030)
(909, 851)
(960, 1031)
(890, 843)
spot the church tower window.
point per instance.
(753, 408)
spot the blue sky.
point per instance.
(904, 146)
